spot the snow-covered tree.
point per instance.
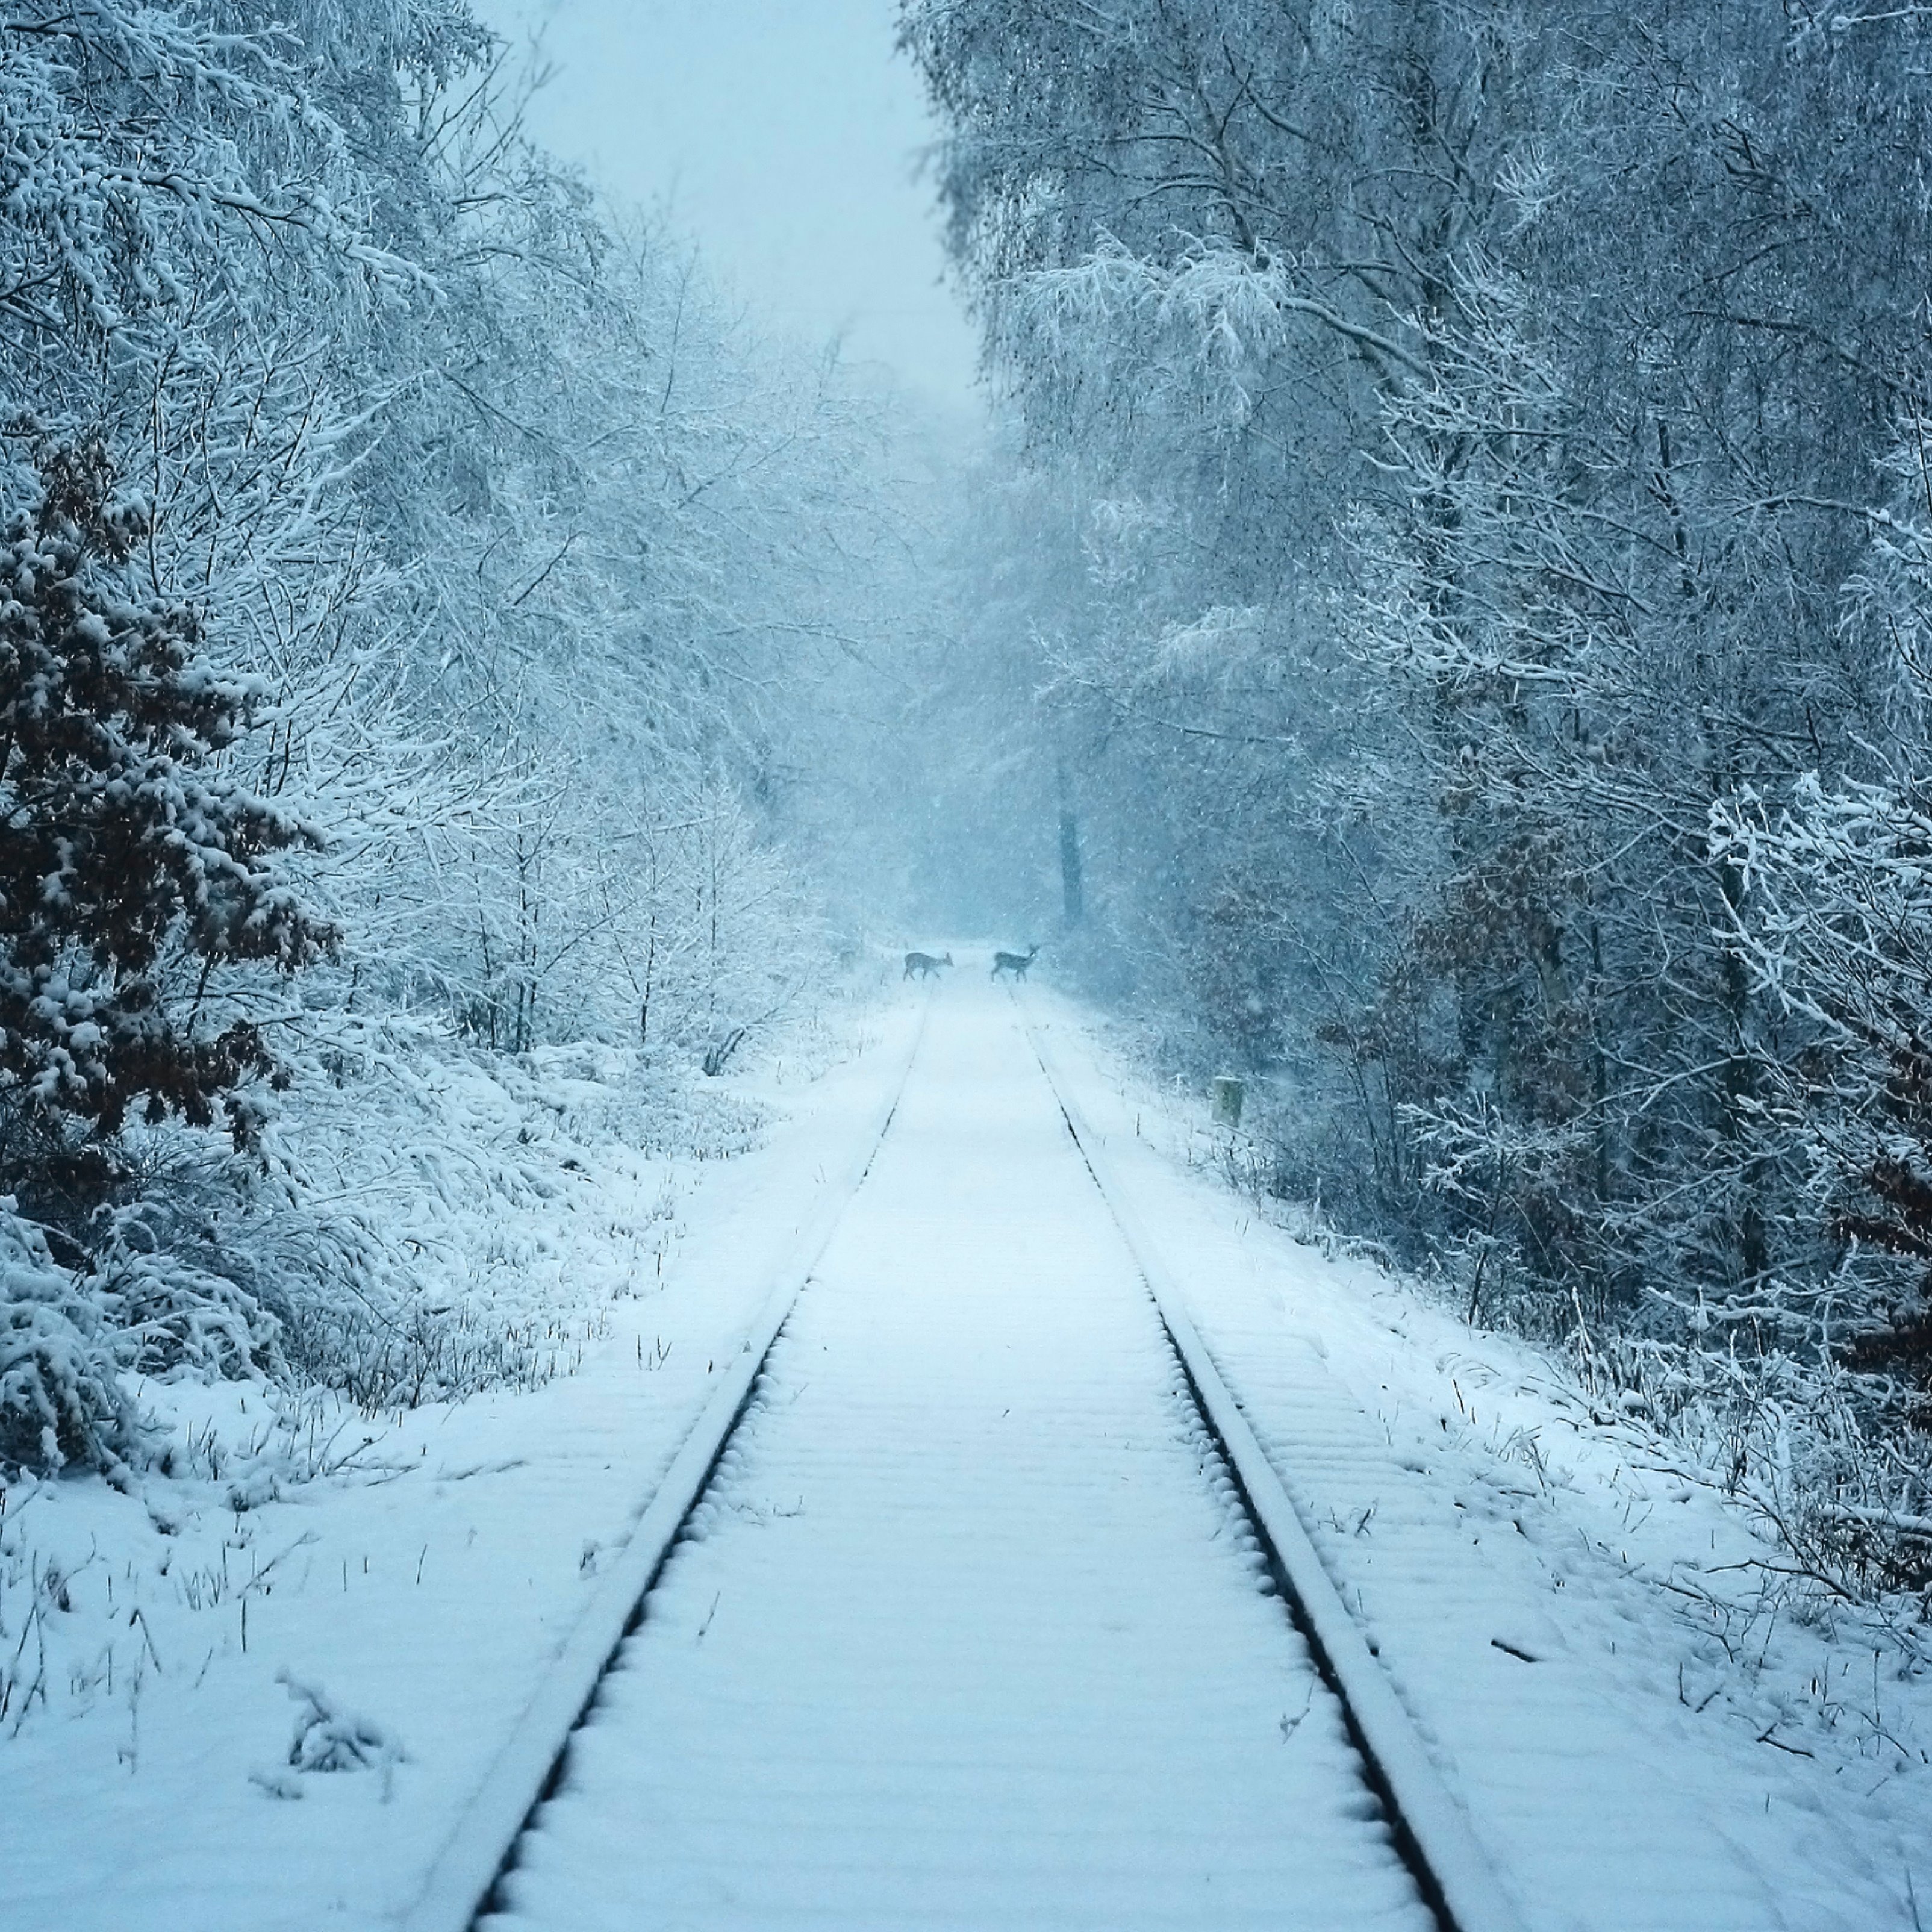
(1476, 412)
(135, 869)
(408, 658)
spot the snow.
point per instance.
(465, 1870)
(1576, 1618)
(969, 1630)
(1459, 1877)
(423, 1582)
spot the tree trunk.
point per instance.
(1072, 899)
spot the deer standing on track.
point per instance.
(924, 965)
(1014, 963)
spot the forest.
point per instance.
(1467, 520)
(1440, 626)
(421, 587)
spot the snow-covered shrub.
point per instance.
(415, 1233)
(61, 1400)
(125, 842)
(329, 1738)
(177, 1317)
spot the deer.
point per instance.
(924, 965)
(1014, 963)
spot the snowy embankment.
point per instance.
(315, 1587)
(1653, 1727)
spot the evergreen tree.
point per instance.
(134, 866)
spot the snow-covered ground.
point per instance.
(1590, 1635)
(398, 1608)
(967, 1633)
(967, 1566)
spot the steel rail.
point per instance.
(1455, 1873)
(526, 1770)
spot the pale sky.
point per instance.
(783, 136)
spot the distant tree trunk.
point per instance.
(1072, 902)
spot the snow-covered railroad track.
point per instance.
(973, 1621)
(1454, 1872)
(525, 1770)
